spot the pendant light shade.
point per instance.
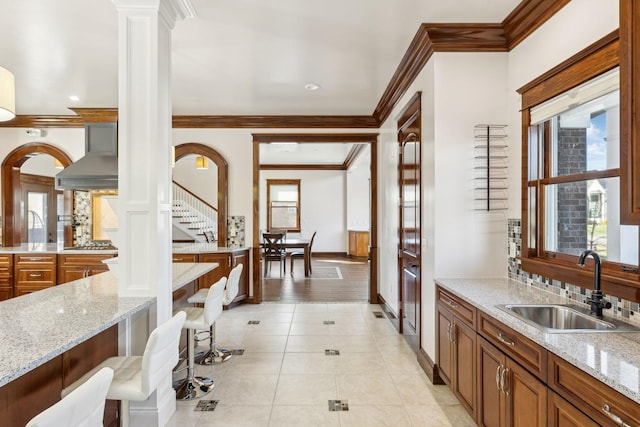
(7, 95)
(202, 162)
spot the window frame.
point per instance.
(593, 61)
(287, 182)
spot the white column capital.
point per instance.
(171, 11)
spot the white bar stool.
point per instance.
(192, 387)
(83, 407)
(136, 377)
(214, 355)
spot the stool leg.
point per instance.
(192, 387)
(213, 356)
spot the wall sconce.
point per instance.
(202, 162)
(7, 95)
(58, 164)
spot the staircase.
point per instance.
(192, 216)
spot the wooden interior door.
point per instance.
(410, 211)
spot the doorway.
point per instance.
(410, 211)
(16, 205)
(312, 141)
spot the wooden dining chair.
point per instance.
(273, 250)
(298, 254)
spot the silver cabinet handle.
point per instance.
(449, 331)
(614, 417)
(35, 275)
(504, 340)
(504, 379)
(452, 304)
(453, 332)
(498, 378)
(35, 258)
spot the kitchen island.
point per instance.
(52, 337)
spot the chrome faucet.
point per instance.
(596, 300)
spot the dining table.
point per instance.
(298, 243)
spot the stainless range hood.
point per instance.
(98, 169)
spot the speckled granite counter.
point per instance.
(613, 358)
(37, 327)
(202, 248)
(179, 248)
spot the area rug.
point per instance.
(326, 273)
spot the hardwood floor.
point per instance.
(334, 279)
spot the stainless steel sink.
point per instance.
(556, 318)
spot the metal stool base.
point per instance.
(213, 357)
(190, 390)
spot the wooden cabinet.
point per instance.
(33, 272)
(508, 395)
(77, 266)
(227, 261)
(358, 243)
(564, 414)
(595, 399)
(456, 346)
(6, 277)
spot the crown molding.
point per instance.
(527, 17)
(282, 121)
(44, 122)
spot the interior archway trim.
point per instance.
(11, 194)
(188, 148)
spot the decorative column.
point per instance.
(144, 172)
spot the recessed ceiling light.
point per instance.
(312, 86)
(74, 98)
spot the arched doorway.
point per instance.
(12, 195)
(183, 150)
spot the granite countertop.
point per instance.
(178, 248)
(39, 326)
(613, 358)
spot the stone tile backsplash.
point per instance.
(235, 231)
(628, 310)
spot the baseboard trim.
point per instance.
(429, 368)
(389, 312)
(329, 254)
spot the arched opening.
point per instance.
(12, 198)
(189, 148)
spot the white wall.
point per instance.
(359, 193)
(322, 206)
(201, 182)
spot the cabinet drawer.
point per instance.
(39, 275)
(526, 352)
(461, 309)
(185, 258)
(6, 260)
(596, 399)
(6, 271)
(64, 260)
(35, 259)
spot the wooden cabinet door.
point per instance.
(242, 257)
(6, 292)
(564, 414)
(444, 347)
(69, 274)
(224, 259)
(464, 373)
(492, 403)
(527, 397)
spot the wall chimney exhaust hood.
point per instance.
(98, 169)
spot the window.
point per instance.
(571, 175)
(283, 201)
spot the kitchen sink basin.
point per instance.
(556, 318)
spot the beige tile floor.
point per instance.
(284, 377)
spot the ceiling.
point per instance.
(236, 57)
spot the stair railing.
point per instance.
(199, 212)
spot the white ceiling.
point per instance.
(235, 57)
